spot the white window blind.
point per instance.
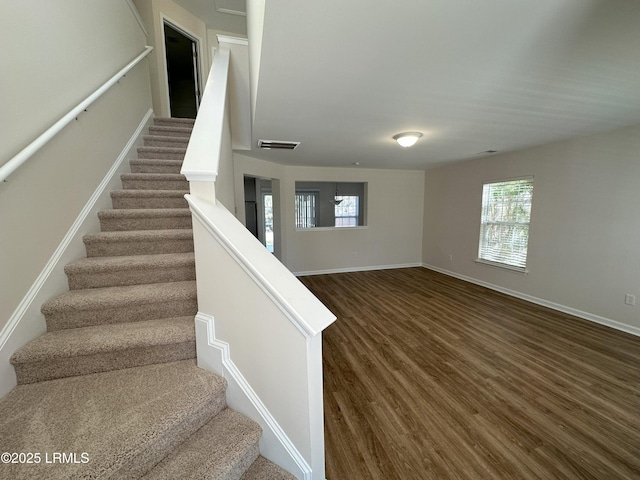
(306, 209)
(504, 230)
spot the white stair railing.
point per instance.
(26, 153)
(257, 325)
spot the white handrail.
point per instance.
(18, 160)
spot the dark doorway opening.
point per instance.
(251, 206)
(182, 73)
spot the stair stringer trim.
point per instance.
(27, 322)
(275, 445)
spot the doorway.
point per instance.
(260, 211)
(182, 72)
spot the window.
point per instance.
(315, 205)
(504, 230)
(306, 209)
(346, 213)
(267, 205)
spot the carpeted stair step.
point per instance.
(263, 469)
(166, 153)
(144, 219)
(154, 181)
(125, 421)
(165, 141)
(83, 351)
(223, 449)
(149, 199)
(171, 131)
(96, 272)
(172, 121)
(155, 165)
(109, 305)
(140, 242)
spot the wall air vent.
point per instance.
(277, 145)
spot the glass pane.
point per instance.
(267, 201)
(506, 212)
(346, 212)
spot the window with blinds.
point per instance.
(306, 209)
(346, 212)
(504, 230)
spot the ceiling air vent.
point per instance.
(277, 145)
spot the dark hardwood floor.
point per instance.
(430, 377)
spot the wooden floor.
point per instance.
(429, 377)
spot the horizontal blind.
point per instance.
(506, 212)
(306, 209)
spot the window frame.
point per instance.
(517, 259)
(355, 217)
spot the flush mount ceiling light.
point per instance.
(407, 139)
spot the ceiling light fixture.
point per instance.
(336, 200)
(407, 139)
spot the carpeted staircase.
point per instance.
(113, 383)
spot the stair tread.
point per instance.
(181, 130)
(144, 212)
(129, 262)
(166, 137)
(223, 448)
(138, 242)
(123, 419)
(106, 338)
(150, 149)
(152, 176)
(263, 469)
(149, 193)
(112, 297)
(155, 161)
(189, 121)
(128, 235)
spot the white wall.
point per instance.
(54, 54)
(238, 93)
(585, 225)
(393, 233)
(269, 348)
(392, 237)
(71, 49)
(224, 182)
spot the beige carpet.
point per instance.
(112, 389)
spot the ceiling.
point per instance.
(224, 15)
(343, 77)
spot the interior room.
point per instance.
(265, 239)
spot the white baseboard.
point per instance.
(214, 355)
(27, 322)
(356, 269)
(540, 301)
